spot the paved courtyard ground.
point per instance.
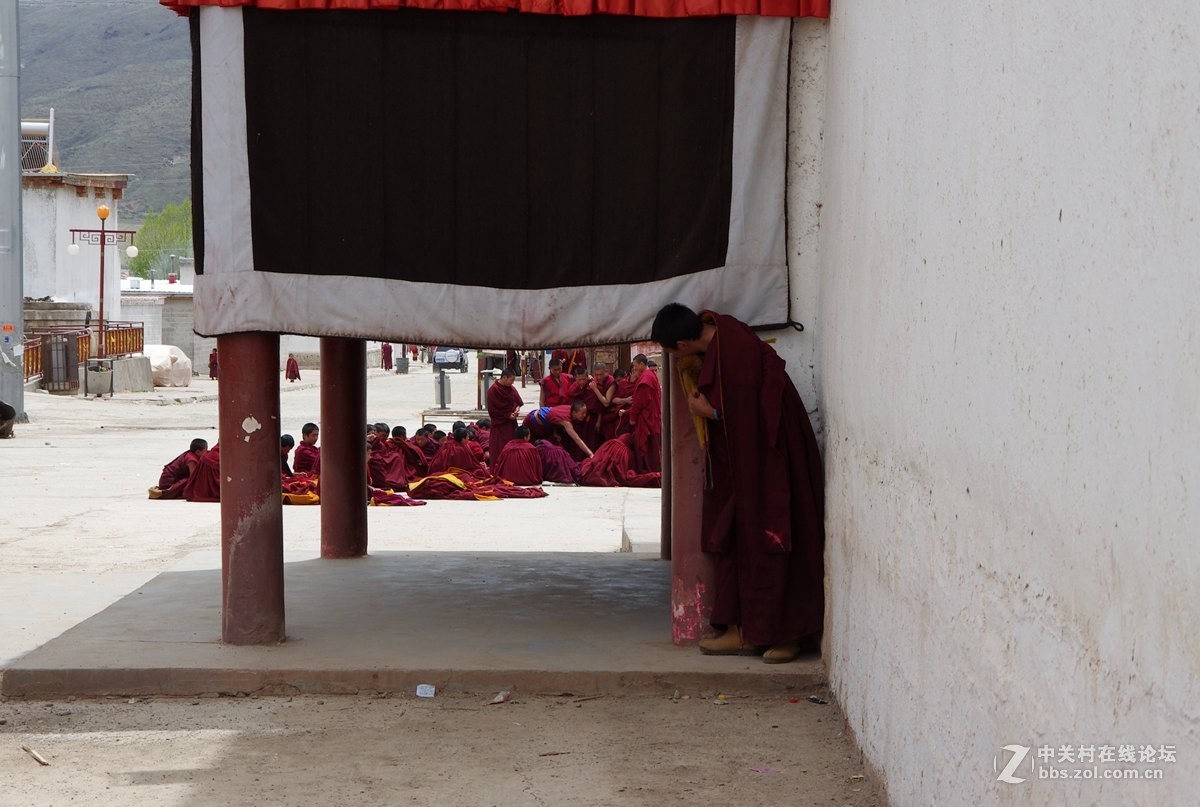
(78, 535)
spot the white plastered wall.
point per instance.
(1009, 283)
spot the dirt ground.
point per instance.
(540, 749)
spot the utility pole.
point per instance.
(12, 281)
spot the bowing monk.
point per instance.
(763, 508)
(204, 485)
(503, 407)
(308, 454)
(175, 473)
(519, 462)
(454, 453)
(555, 386)
(645, 417)
(552, 422)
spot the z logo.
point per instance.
(1018, 756)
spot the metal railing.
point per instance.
(120, 339)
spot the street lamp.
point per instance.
(102, 238)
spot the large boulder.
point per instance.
(169, 366)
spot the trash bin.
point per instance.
(489, 377)
(99, 380)
(441, 389)
(402, 366)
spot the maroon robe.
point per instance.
(386, 467)
(555, 390)
(385, 356)
(453, 454)
(204, 485)
(612, 466)
(176, 471)
(293, 370)
(519, 463)
(606, 419)
(214, 365)
(587, 429)
(763, 516)
(414, 458)
(502, 401)
(306, 459)
(645, 417)
(624, 390)
(557, 464)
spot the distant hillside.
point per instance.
(118, 75)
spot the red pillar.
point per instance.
(343, 448)
(251, 504)
(691, 569)
(668, 370)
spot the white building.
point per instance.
(996, 254)
(54, 203)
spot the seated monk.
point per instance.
(454, 453)
(204, 485)
(414, 458)
(308, 455)
(386, 466)
(176, 472)
(8, 416)
(519, 461)
(557, 464)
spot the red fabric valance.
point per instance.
(635, 8)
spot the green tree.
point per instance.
(162, 234)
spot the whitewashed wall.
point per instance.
(48, 214)
(1009, 368)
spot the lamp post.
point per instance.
(102, 238)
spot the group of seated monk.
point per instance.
(534, 455)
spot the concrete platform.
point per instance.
(464, 621)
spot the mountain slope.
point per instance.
(118, 75)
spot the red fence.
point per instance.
(120, 339)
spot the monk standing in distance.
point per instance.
(292, 369)
(503, 407)
(763, 508)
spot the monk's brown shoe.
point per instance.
(781, 653)
(728, 643)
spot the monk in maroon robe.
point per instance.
(582, 389)
(557, 464)
(292, 368)
(557, 424)
(414, 458)
(519, 462)
(612, 466)
(386, 467)
(622, 397)
(204, 485)
(454, 453)
(605, 387)
(503, 407)
(214, 364)
(763, 509)
(307, 457)
(645, 417)
(385, 356)
(175, 473)
(555, 386)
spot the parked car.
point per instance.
(450, 358)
